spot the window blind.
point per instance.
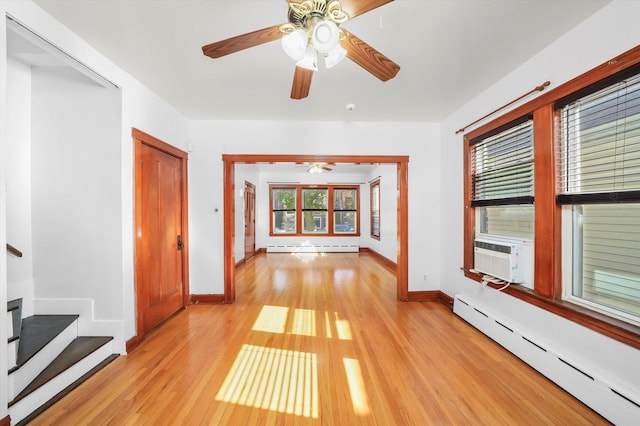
(609, 257)
(502, 167)
(599, 159)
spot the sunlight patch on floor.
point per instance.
(272, 319)
(304, 322)
(273, 379)
(343, 328)
(356, 387)
(327, 325)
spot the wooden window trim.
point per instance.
(299, 210)
(547, 291)
(374, 183)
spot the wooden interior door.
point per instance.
(160, 234)
(249, 220)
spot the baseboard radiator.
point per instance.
(618, 405)
(315, 248)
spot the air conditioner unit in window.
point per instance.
(508, 260)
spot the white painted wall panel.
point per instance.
(19, 270)
(210, 139)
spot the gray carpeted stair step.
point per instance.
(76, 351)
(36, 332)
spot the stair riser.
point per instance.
(12, 355)
(20, 378)
(33, 401)
(10, 331)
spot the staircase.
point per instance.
(47, 359)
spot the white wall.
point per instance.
(210, 139)
(608, 33)
(76, 169)
(19, 270)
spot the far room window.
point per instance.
(502, 181)
(345, 211)
(314, 210)
(322, 210)
(598, 174)
(375, 209)
(283, 202)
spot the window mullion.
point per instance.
(547, 256)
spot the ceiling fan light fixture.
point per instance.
(334, 57)
(315, 168)
(309, 60)
(325, 36)
(295, 43)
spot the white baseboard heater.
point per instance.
(315, 248)
(618, 405)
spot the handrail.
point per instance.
(11, 249)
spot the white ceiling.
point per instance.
(448, 50)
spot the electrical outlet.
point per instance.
(424, 278)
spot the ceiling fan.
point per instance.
(318, 168)
(314, 28)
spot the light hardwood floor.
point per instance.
(318, 340)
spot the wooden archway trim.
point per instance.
(402, 165)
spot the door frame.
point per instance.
(402, 167)
(141, 138)
(248, 185)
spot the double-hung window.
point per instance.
(374, 190)
(345, 210)
(502, 181)
(283, 210)
(598, 175)
(315, 203)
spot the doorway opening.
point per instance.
(231, 160)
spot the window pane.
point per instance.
(284, 199)
(314, 222)
(284, 222)
(606, 255)
(315, 199)
(314, 210)
(344, 222)
(507, 221)
(344, 199)
(502, 165)
(375, 209)
(601, 147)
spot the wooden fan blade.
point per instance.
(301, 83)
(357, 7)
(242, 42)
(368, 57)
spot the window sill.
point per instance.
(612, 327)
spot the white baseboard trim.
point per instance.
(315, 248)
(88, 325)
(613, 401)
